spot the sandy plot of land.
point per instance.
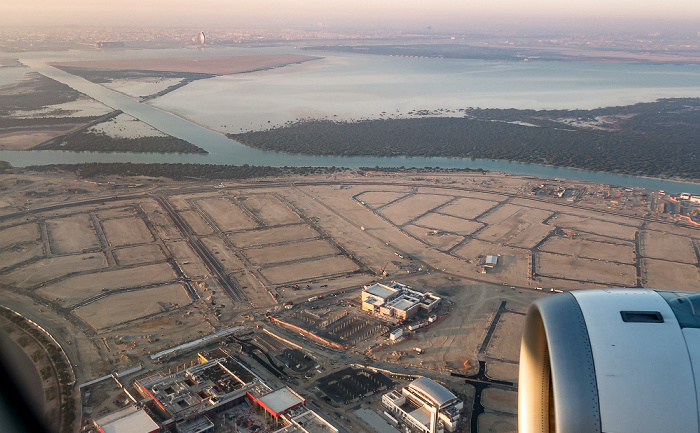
(667, 246)
(500, 400)
(589, 249)
(72, 234)
(659, 274)
(454, 343)
(593, 226)
(495, 196)
(115, 212)
(140, 254)
(124, 307)
(412, 207)
(441, 240)
(226, 214)
(289, 252)
(54, 267)
(505, 341)
(515, 225)
(219, 65)
(20, 254)
(254, 290)
(374, 199)
(164, 227)
(636, 222)
(269, 208)
(497, 423)
(126, 231)
(309, 270)
(683, 231)
(188, 260)
(448, 224)
(272, 235)
(196, 222)
(223, 253)
(25, 138)
(74, 289)
(503, 370)
(16, 234)
(596, 271)
(513, 263)
(468, 208)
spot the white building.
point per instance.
(397, 302)
(425, 406)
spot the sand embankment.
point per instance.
(203, 65)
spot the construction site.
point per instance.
(136, 276)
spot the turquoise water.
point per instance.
(354, 87)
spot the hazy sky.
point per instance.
(440, 14)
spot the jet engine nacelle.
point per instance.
(611, 360)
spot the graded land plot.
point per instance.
(666, 246)
(450, 224)
(585, 213)
(196, 222)
(72, 234)
(19, 254)
(441, 240)
(126, 231)
(115, 212)
(47, 269)
(226, 214)
(490, 422)
(375, 199)
(289, 252)
(500, 400)
(124, 307)
(188, 260)
(222, 252)
(468, 208)
(269, 208)
(163, 225)
(17, 234)
(513, 263)
(693, 233)
(412, 207)
(515, 225)
(592, 225)
(139, 254)
(74, 289)
(660, 274)
(272, 235)
(505, 342)
(312, 269)
(503, 370)
(590, 249)
(587, 270)
(454, 342)
(254, 290)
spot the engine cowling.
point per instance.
(611, 360)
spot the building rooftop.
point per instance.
(127, 420)
(380, 290)
(281, 400)
(201, 387)
(433, 390)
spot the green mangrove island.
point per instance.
(657, 139)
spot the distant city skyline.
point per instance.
(440, 15)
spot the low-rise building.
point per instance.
(425, 406)
(397, 302)
(127, 420)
